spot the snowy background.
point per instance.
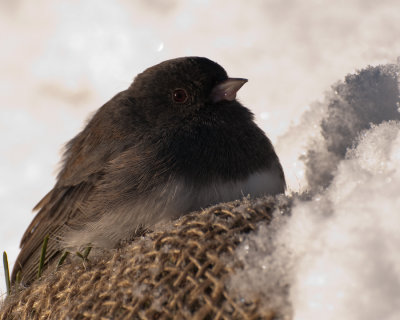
(62, 60)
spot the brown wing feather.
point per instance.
(50, 220)
(84, 161)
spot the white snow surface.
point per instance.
(336, 256)
(338, 253)
(345, 242)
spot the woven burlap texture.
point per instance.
(179, 272)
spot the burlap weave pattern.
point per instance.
(176, 273)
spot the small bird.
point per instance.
(175, 141)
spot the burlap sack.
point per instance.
(178, 272)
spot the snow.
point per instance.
(348, 265)
(338, 253)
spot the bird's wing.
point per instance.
(85, 160)
(55, 209)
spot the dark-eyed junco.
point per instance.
(175, 141)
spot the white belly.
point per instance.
(168, 202)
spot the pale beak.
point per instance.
(227, 89)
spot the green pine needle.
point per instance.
(6, 273)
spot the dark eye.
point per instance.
(180, 95)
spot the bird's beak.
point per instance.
(227, 89)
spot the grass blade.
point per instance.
(62, 259)
(43, 255)
(18, 277)
(86, 252)
(6, 273)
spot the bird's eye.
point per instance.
(180, 95)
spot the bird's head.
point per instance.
(182, 86)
